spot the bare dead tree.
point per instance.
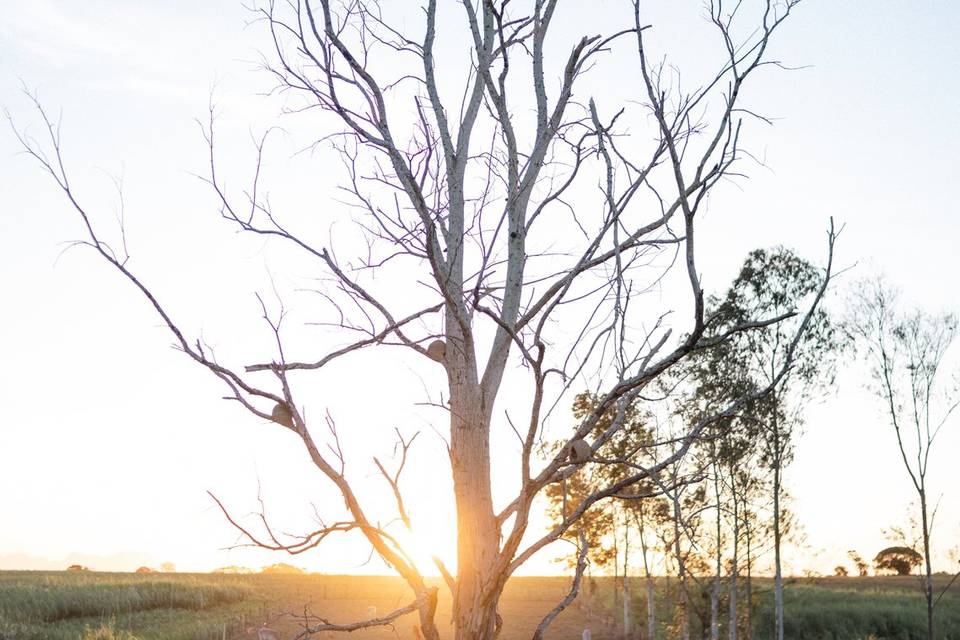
(906, 353)
(526, 267)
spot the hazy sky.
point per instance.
(109, 438)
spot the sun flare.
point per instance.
(425, 544)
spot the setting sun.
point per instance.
(424, 544)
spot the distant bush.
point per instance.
(233, 569)
(282, 567)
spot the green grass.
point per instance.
(837, 613)
(53, 597)
(68, 606)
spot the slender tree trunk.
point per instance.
(651, 605)
(616, 575)
(715, 592)
(681, 574)
(651, 609)
(626, 579)
(928, 583)
(778, 574)
(748, 587)
(733, 563)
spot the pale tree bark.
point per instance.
(615, 591)
(463, 196)
(718, 557)
(626, 577)
(734, 554)
(647, 576)
(683, 590)
(778, 570)
(748, 587)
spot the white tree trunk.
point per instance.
(778, 575)
(715, 592)
(681, 574)
(651, 593)
(748, 587)
(733, 562)
(626, 579)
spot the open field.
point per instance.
(118, 606)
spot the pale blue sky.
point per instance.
(109, 438)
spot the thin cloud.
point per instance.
(140, 56)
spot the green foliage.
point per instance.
(774, 286)
(773, 283)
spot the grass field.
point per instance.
(119, 606)
(874, 607)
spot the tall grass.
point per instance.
(819, 613)
(32, 597)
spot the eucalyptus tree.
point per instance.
(488, 249)
(772, 282)
(710, 379)
(906, 353)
